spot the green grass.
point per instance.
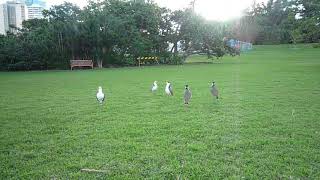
(265, 126)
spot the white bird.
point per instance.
(168, 89)
(187, 95)
(100, 95)
(154, 86)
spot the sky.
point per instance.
(220, 10)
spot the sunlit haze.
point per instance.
(210, 9)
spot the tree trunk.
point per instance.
(100, 64)
(104, 52)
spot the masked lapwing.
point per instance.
(214, 91)
(187, 95)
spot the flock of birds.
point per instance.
(168, 90)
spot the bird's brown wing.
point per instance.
(170, 89)
(214, 91)
(187, 96)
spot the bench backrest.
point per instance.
(81, 62)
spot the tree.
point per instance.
(109, 32)
(308, 26)
(195, 35)
(280, 21)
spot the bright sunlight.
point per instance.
(219, 10)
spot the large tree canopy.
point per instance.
(280, 21)
(110, 32)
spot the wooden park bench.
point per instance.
(81, 63)
(142, 60)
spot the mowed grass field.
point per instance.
(265, 126)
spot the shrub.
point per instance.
(127, 61)
(176, 60)
(36, 65)
(19, 66)
(316, 45)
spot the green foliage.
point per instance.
(307, 31)
(280, 21)
(176, 60)
(111, 32)
(21, 65)
(316, 45)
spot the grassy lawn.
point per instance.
(266, 124)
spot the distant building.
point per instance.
(41, 3)
(16, 15)
(35, 11)
(35, 8)
(12, 14)
(4, 25)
